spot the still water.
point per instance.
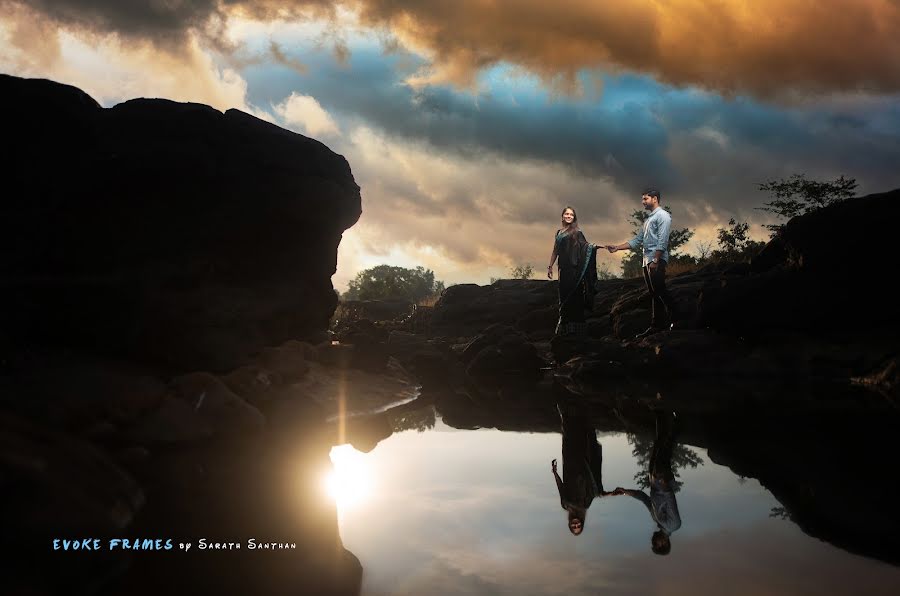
(455, 512)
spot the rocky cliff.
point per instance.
(165, 232)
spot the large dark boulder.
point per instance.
(467, 309)
(164, 232)
(841, 263)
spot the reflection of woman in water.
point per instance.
(582, 460)
(661, 502)
(577, 274)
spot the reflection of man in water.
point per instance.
(582, 461)
(661, 502)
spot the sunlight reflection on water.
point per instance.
(350, 482)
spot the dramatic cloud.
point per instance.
(304, 114)
(111, 71)
(768, 48)
(468, 219)
(167, 22)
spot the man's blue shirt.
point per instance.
(654, 235)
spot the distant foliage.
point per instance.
(704, 250)
(735, 244)
(386, 282)
(522, 271)
(797, 196)
(631, 262)
(603, 272)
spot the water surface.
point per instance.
(444, 511)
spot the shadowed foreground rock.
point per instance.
(163, 231)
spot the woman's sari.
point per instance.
(577, 281)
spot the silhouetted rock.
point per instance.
(835, 281)
(164, 232)
(466, 309)
(501, 353)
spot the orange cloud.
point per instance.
(767, 48)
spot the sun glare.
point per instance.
(350, 481)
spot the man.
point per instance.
(661, 503)
(654, 237)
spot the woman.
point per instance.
(577, 274)
(582, 466)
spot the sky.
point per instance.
(469, 125)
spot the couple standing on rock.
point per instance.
(578, 268)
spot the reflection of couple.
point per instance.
(578, 268)
(582, 457)
(582, 482)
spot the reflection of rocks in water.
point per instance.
(817, 449)
(833, 472)
(57, 486)
(105, 449)
(267, 488)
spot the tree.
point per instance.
(704, 250)
(734, 243)
(631, 262)
(734, 237)
(683, 457)
(521, 271)
(386, 282)
(798, 196)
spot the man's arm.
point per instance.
(632, 244)
(637, 494)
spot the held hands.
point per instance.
(619, 491)
(612, 248)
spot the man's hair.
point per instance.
(660, 543)
(652, 192)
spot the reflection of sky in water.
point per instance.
(477, 512)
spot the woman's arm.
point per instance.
(552, 259)
(559, 482)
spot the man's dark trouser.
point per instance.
(663, 305)
(663, 446)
